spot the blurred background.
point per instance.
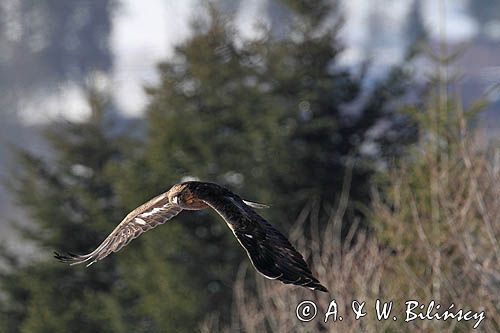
(333, 112)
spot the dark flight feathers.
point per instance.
(270, 252)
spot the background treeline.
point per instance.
(434, 214)
(277, 120)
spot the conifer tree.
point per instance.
(72, 205)
(437, 206)
(270, 119)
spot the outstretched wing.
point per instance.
(146, 217)
(270, 252)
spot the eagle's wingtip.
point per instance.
(68, 258)
(58, 256)
(61, 257)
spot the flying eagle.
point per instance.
(270, 252)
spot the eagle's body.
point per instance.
(270, 252)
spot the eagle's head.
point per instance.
(182, 195)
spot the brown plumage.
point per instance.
(269, 251)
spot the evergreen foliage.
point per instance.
(71, 202)
(273, 119)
